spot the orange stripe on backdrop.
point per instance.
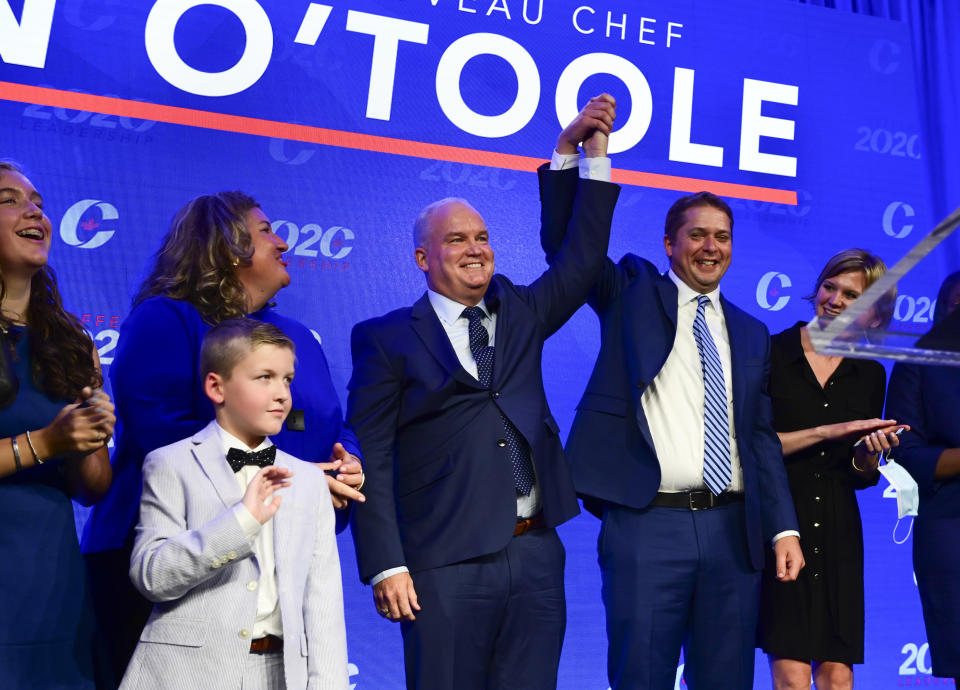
(365, 142)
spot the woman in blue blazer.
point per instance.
(928, 399)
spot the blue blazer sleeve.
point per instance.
(154, 376)
(558, 190)
(921, 447)
(777, 513)
(373, 407)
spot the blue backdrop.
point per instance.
(823, 127)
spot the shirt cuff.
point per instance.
(595, 168)
(590, 168)
(388, 573)
(785, 533)
(562, 161)
(249, 524)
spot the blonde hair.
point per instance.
(872, 267)
(197, 262)
(231, 340)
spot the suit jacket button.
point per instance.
(216, 563)
(496, 394)
(232, 555)
(244, 633)
(502, 443)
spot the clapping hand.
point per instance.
(79, 428)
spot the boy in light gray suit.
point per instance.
(247, 595)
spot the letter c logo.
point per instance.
(888, 215)
(70, 223)
(763, 290)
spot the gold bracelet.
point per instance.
(363, 479)
(33, 449)
(853, 461)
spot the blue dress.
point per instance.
(46, 620)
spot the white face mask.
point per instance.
(908, 493)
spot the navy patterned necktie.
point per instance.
(259, 458)
(517, 445)
(716, 430)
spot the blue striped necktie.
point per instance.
(516, 444)
(716, 430)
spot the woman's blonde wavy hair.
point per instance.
(197, 262)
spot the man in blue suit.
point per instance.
(673, 446)
(465, 473)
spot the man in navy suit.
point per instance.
(465, 473)
(673, 446)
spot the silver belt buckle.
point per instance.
(701, 500)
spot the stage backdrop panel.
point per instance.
(345, 119)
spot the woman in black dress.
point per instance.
(813, 627)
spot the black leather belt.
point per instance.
(694, 500)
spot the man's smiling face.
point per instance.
(456, 254)
(700, 252)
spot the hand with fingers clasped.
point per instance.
(866, 453)
(591, 127)
(79, 428)
(395, 598)
(345, 485)
(259, 497)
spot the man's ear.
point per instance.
(213, 387)
(420, 254)
(668, 246)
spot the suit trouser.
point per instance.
(263, 672)
(676, 578)
(493, 622)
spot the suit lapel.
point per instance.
(427, 326)
(641, 337)
(641, 333)
(501, 351)
(208, 452)
(739, 346)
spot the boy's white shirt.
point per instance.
(268, 621)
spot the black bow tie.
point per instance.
(259, 458)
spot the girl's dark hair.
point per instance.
(61, 351)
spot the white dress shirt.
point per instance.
(268, 620)
(674, 401)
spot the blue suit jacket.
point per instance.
(638, 315)
(439, 487)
